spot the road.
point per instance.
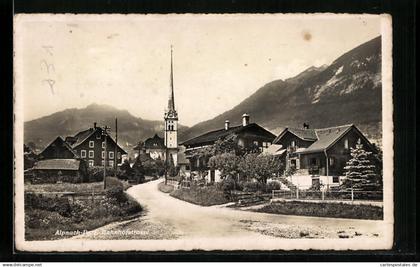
(170, 218)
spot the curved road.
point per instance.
(171, 218)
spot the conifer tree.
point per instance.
(360, 170)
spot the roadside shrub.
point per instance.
(60, 205)
(205, 196)
(227, 184)
(116, 194)
(273, 185)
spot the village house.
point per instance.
(88, 145)
(318, 155)
(153, 146)
(248, 135)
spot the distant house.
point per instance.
(320, 155)
(153, 146)
(248, 135)
(53, 170)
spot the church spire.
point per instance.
(171, 101)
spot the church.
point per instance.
(165, 148)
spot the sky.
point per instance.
(71, 61)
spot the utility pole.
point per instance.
(105, 134)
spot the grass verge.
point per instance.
(165, 188)
(333, 210)
(50, 218)
(204, 196)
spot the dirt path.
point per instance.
(170, 218)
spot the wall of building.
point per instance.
(97, 151)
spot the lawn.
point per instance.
(204, 196)
(165, 188)
(334, 210)
(46, 216)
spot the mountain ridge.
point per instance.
(346, 91)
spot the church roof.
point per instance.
(154, 142)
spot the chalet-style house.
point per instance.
(248, 135)
(88, 145)
(153, 146)
(54, 170)
(320, 155)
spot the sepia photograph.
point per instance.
(185, 132)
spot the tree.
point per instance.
(260, 167)
(227, 163)
(360, 170)
(126, 170)
(138, 171)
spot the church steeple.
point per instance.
(171, 120)
(171, 100)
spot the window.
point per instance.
(98, 136)
(336, 179)
(119, 155)
(111, 155)
(293, 143)
(255, 143)
(83, 153)
(90, 163)
(346, 143)
(102, 162)
(91, 144)
(103, 144)
(111, 163)
(103, 154)
(313, 161)
(91, 154)
(332, 161)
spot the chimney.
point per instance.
(305, 126)
(227, 125)
(245, 119)
(94, 125)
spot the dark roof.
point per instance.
(61, 141)
(327, 137)
(57, 164)
(82, 136)
(304, 134)
(213, 136)
(154, 142)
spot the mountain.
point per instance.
(347, 91)
(70, 121)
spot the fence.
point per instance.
(350, 195)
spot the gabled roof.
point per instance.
(61, 141)
(326, 137)
(213, 136)
(82, 136)
(303, 134)
(57, 164)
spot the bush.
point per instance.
(227, 184)
(273, 185)
(334, 210)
